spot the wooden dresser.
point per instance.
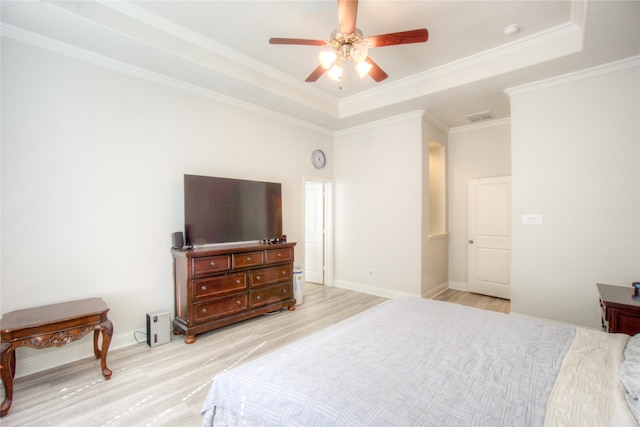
(215, 287)
(620, 309)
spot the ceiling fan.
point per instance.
(348, 42)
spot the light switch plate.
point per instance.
(530, 219)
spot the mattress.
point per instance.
(413, 361)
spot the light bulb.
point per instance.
(363, 68)
(359, 52)
(327, 58)
(335, 72)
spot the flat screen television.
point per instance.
(223, 210)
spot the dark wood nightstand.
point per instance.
(620, 309)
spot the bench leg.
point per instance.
(7, 372)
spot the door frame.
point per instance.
(328, 224)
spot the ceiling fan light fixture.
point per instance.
(363, 68)
(327, 58)
(347, 42)
(335, 72)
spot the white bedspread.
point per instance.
(409, 361)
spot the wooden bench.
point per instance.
(51, 326)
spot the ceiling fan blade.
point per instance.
(305, 42)
(347, 11)
(403, 37)
(315, 75)
(376, 72)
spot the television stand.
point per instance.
(216, 287)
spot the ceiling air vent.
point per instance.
(483, 115)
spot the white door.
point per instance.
(489, 242)
(314, 232)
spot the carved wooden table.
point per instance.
(51, 326)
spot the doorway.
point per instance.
(317, 225)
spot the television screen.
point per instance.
(220, 210)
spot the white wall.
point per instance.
(575, 157)
(91, 175)
(475, 151)
(378, 207)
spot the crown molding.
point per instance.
(633, 61)
(478, 58)
(553, 43)
(430, 119)
(102, 61)
(578, 21)
(483, 125)
(400, 117)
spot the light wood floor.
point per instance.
(166, 385)
(475, 300)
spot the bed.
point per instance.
(413, 361)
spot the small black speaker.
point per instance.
(177, 240)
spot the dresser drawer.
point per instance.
(210, 264)
(220, 308)
(270, 295)
(267, 276)
(218, 286)
(278, 255)
(248, 259)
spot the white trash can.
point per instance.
(298, 291)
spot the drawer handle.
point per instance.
(204, 311)
(248, 258)
(284, 291)
(258, 278)
(284, 272)
(279, 255)
(212, 264)
(257, 297)
(238, 281)
(204, 288)
(239, 302)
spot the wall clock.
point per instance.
(318, 159)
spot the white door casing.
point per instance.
(314, 232)
(489, 240)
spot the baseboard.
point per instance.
(371, 290)
(459, 286)
(30, 361)
(436, 291)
